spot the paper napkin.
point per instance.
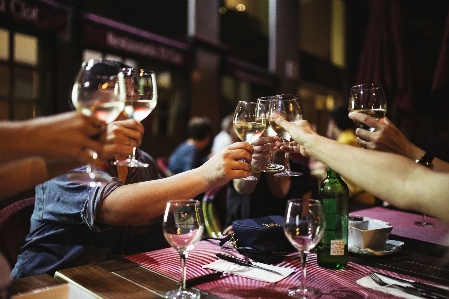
(250, 272)
(367, 282)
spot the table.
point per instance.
(151, 274)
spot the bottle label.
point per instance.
(337, 247)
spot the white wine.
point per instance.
(249, 131)
(140, 109)
(269, 131)
(281, 132)
(105, 111)
(377, 114)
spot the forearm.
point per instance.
(416, 153)
(146, 200)
(391, 177)
(18, 138)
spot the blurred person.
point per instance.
(193, 152)
(226, 136)
(36, 150)
(392, 177)
(268, 195)
(75, 224)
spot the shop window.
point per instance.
(4, 44)
(25, 84)
(25, 49)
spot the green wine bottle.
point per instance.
(333, 193)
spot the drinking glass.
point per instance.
(270, 167)
(424, 222)
(141, 99)
(288, 106)
(368, 99)
(304, 227)
(183, 227)
(99, 90)
(249, 124)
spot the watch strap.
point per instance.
(425, 160)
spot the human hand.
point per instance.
(386, 137)
(121, 137)
(64, 137)
(262, 149)
(300, 132)
(231, 162)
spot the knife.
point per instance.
(420, 285)
(243, 262)
(202, 279)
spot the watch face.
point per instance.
(426, 160)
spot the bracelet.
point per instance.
(425, 160)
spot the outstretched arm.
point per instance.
(392, 177)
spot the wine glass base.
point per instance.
(91, 179)
(288, 173)
(307, 293)
(249, 178)
(183, 294)
(273, 168)
(131, 163)
(424, 224)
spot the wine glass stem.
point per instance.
(133, 156)
(183, 256)
(303, 270)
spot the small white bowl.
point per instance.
(368, 234)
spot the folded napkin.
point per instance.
(367, 282)
(250, 272)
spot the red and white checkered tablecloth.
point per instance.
(332, 283)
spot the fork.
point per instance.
(407, 289)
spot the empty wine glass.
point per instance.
(99, 90)
(304, 227)
(183, 227)
(249, 124)
(141, 99)
(270, 167)
(368, 99)
(288, 106)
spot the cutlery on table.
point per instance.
(243, 262)
(408, 289)
(202, 279)
(420, 285)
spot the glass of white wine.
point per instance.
(368, 99)
(265, 101)
(288, 106)
(141, 99)
(99, 90)
(183, 227)
(249, 123)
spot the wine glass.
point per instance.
(183, 227)
(249, 124)
(424, 222)
(368, 99)
(288, 106)
(270, 167)
(304, 227)
(141, 99)
(99, 90)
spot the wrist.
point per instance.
(425, 160)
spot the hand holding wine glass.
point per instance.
(183, 227)
(368, 99)
(249, 124)
(141, 99)
(304, 227)
(99, 90)
(288, 106)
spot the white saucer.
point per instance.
(390, 247)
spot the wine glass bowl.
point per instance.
(183, 228)
(99, 90)
(368, 99)
(141, 99)
(249, 123)
(304, 227)
(286, 105)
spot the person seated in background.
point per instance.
(75, 224)
(397, 179)
(269, 194)
(36, 150)
(226, 136)
(193, 152)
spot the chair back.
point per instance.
(14, 227)
(214, 210)
(162, 164)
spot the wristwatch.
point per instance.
(425, 160)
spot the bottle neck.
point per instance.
(332, 174)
